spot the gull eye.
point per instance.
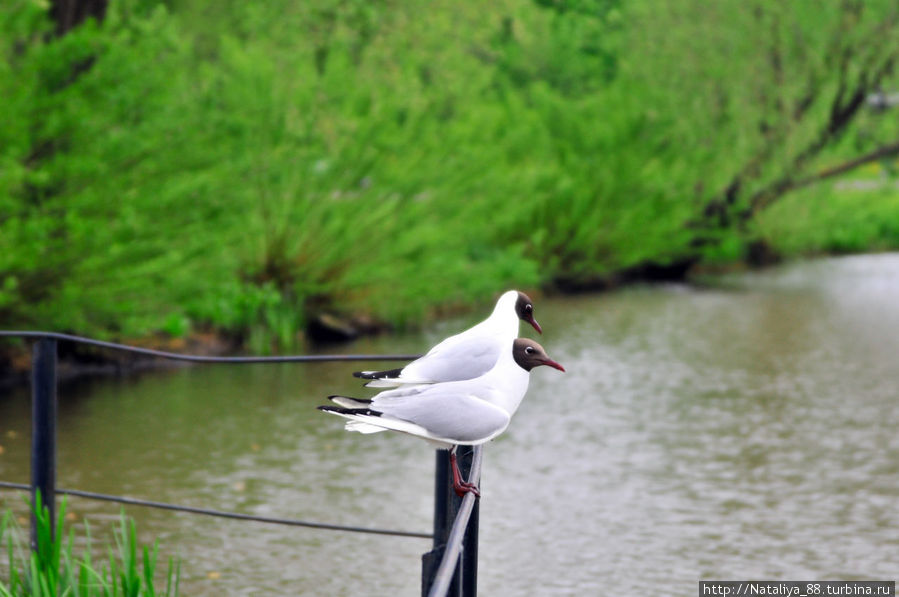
(529, 350)
(528, 308)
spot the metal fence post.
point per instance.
(43, 431)
(446, 506)
(446, 503)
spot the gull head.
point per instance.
(524, 308)
(529, 354)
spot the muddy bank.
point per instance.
(324, 329)
(78, 360)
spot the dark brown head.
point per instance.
(525, 310)
(528, 354)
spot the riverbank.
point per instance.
(328, 330)
(325, 330)
(79, 360)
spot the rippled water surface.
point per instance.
(746, 429)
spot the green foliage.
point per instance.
(849, 217)
(53, 570)
(246, 165)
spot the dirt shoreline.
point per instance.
(80, 360)
(77, 360)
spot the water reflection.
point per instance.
(741, 430)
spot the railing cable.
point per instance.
(44, 462)
(309, 358)
(222, 514)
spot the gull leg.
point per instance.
(461, 487)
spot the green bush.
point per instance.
(244, 166)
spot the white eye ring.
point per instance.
(529, 349)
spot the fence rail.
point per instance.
(130, 501)
(447, 569)
(197, 358)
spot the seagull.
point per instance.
(466, 355)
(453, 413)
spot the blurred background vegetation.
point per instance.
(171, 166)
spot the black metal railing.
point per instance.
(448, 569)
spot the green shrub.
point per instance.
(244, 166)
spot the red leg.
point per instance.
(461, 487)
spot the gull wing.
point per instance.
(456, 358)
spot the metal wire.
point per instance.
(211, 359)
(444, 574)
(309, 358)
(222, 514)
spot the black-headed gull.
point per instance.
(466, 355)
(453, 413)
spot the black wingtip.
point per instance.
(359, 400)
(349, 411)
(378, 374)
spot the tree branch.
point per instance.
(880, 153)
(841, 117)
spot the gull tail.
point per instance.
(398, 382)
(349, 402)
(390, 378)
(368, 420)
(361, 427)
(358, 415)
(357, 406)
(381, 383)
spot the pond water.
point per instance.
(744, 429)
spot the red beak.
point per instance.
(554, 365)
(536, 325)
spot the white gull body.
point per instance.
(466, 355)
(467, 412)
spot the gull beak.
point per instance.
(554, 365)
(536, 325)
